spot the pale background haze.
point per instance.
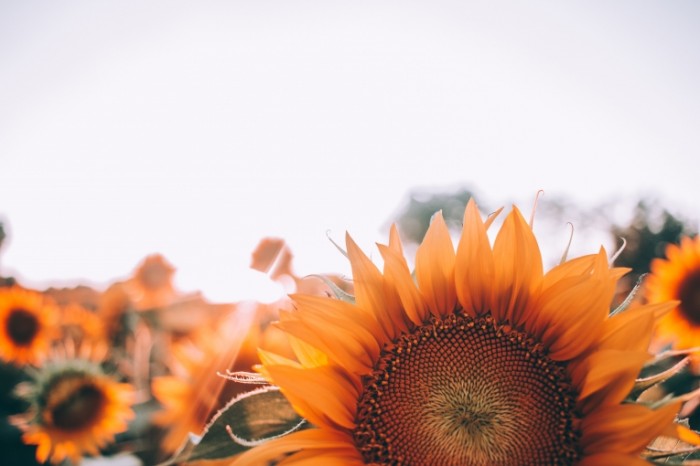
(194, 129)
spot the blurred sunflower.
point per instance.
(152, 283)
(82, 326)
(27, 326)
(485, 360)
(190, 393)
(113, 307)
(195, 388)
(677, 277)
(75, 409)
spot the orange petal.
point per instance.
(397, 274)
(340, 344)
(682, 433)
(42, 440)
(345, 319)
(348, 456)
(326, 396)
(167, 388)
(609, 377)
(612, 459)
(518, 268)
(435, 262)
(571, 268)
(626, 428)
(312, 439)
(369, 287)
(474, 267)
(395, 240)
(492, 216)
(573, 311)
(308, 355)
(632, 329)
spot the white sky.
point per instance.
(194, 129)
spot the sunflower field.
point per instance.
(454, 346)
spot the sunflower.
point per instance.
(196, 386)
(483, 359)
(190, 393)
(82, 325)
(677, 277)
(75, 409)
(152, 283)
(27, 326)
(113, 310)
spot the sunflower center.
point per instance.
(80, 408)
(689, 294)
(21, 326)
(467, 391)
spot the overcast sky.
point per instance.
(194, 129)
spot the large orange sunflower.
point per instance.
(483, 359)
(677, 277)
(27, 326)
(76, 409)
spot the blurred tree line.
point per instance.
(4, 281)
(414, 219)
(651, 228)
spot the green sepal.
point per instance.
(643, 383)
(244, 377)
(337, 291)
(337, 246)
(669, 398)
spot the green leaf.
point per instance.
(246, 421)
(666, 450)
(669, 449)
(650, 380)
(630, 297)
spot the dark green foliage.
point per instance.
(652, 228)
(249, 419)
(414, 219)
